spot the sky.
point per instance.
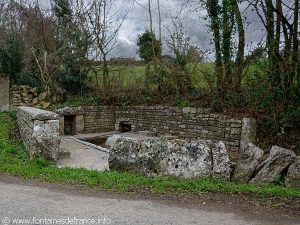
(195, 25)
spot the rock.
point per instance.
(45, 105)
(35, 101)
(187, 159)
(70, 111)
(221, 163)
(270, 170)
(292, 178)
(247, 163)
(248, 133)
(152, 157)
(142, 156)
(64, 154)
(33, 91)
(112, 140)
(39, 131)
(147, 133)
(42, 96)
(24, 94)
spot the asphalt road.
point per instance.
(43, 205)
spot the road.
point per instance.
(43, 204)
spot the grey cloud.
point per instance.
(137, 21)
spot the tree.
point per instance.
(180, 45)
(282, 44)
(74, 47)
(103, 24)
(11, 56)
(43, 50)
(223, 19)
(149, 46)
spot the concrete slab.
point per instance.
(82, 156)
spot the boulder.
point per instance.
(42, 96)
(271, 169)
(112, 140)
(35, 101)
(152, 157)
(187, 159)
(221, 165)
(45, 105)
(292, 178)
(247, 163)
(142, 156)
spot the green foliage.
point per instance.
(71, 78)
(73, 81)
(11, 56)
(74, 102)
(149, 46)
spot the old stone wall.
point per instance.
(99, 118)
(24, 95)
(39, 131)
(4, 94)
(193, 123)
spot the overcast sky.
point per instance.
(137, 21)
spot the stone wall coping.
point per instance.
(69, 111)
(38, 114)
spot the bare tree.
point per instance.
(43, 49)
(103, 21)
(281, 22)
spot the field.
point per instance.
(130, 77)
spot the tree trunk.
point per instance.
(226, 43)
(213, 11)
(241, 46)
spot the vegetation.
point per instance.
(15, 161)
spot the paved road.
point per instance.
(18, 201)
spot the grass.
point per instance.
(134, 76)
(15, 161)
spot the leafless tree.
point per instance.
(102, 20)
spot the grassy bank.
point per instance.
(15, 161)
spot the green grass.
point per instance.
(134, 76)
(15, 161)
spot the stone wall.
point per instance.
(4, 94)
(193, 123)
(39, 131)
(99, 118)
(25, 95)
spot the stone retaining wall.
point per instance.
(24, 95)
(39, 131)
(99, 118)
(193, 123)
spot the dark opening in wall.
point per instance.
(124, 127)
(69, 125)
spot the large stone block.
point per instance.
(247, 163)
(292, 178)
(39, 130)
(271, 169)
(248, 132)
(181, 158)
